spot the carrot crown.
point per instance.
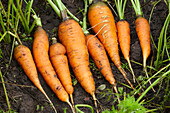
(120, 6)
(137, 7)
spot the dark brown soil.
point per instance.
(26, 98)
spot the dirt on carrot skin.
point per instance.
(28, 99)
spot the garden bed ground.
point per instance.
(27, 98)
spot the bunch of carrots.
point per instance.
(78, 44)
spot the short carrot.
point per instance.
(143, 32)
(102, 21)
(40, 52)
(123, 32)
(24, 57)
(60, 63)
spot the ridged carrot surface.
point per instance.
(72, 37)
(143, 32)
(103, 23)
(40, 52)
(98, 53)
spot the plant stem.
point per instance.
(153, 84)
(166, 67)
(6, 95)
(160, 41)
(137, 7)
(83, 105)
(120, 6)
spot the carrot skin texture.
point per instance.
(72, 37)
(24, 57)
(124, 37)
(60, 64)
(40, 52)
(98, 53)
(143, 32)
(100, 15)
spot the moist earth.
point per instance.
(24, 97)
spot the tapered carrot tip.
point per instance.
(72, 101)
(72, 108)
(95, 102)
(124, 74)
(134, 77)
(115, 88)
(144, 66)
(48, 99)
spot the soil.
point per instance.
(25, 98)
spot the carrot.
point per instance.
(60, 63)
(72, 37)
(24, 57)
(103, 23)
(143, 32)
(40, 52)
(98, 53)
(123, 32)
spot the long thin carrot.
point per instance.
(40, 52)
(24, 57)
(103, 23)
(60, 63)
(143, 32)
(98, 53)
(123, 31)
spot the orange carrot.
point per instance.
(103, 23)
(143, 32)
(72, 37)
(60, 63)
(98, 53)
(24, 57)
(40, 52)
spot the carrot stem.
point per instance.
(38, 20)
(55, 8)
(137, 7)
(120, 8)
